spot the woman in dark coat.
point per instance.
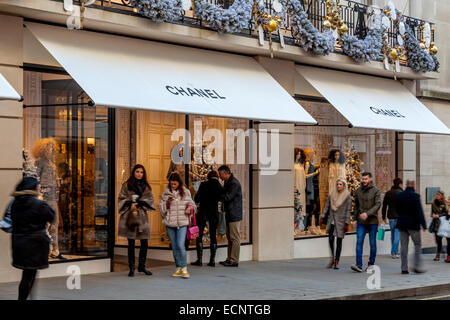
(208, 197)
(438, 209)
(135, 199)
(30, 242)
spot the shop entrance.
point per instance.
(66, 140)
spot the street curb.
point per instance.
(397, 294)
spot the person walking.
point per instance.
(410, 219)
(367, 204)
(337, 210)
(232, 200)
(135, 199)
(208, 196)
(389, 208)
(176, 208)
(438, 209)
(30, 241)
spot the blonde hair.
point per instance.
(42, 148)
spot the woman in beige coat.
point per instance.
(135, 199)
(176, 208)
(337, 208)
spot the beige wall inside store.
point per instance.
(11, 130)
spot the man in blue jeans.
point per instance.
(390, 211)
(367, 204)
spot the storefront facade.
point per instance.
(96, 145)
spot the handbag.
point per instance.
(192, 230)
(432, 227)
(6, 223)
(133, 217)
(444, 227)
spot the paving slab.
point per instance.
(286, 280)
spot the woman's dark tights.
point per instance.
(331, 237)
(26, 284)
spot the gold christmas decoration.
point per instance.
(268, 23)
(272, 25)
(393, 54)
(433, 50)
(333, 20)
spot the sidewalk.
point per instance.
(292, 279)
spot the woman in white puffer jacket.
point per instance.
(176, 208)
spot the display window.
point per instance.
(66, 147)
(322, 154)
(145, 137)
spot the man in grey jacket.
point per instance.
(367, 204)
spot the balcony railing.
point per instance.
(354, 14)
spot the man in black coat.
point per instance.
(232, 200)
(208, 197)
(410, 219)
(30, 242)
(391, 213)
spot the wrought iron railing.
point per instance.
(355, 15)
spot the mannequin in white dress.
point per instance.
(336, 168)
(300, 177)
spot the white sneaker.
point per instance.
(184, 273)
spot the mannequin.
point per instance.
(336, 168)
(44, 151)
(311, 172)
(299, 189)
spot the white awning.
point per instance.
(373, 102)
(7, 92)
(124, 72)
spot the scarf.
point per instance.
(438, 208)
(338, 198)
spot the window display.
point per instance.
(145, 137)
(66, 146)
(323, 154)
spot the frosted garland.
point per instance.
(418, 59)
(234, 19)
(309, 38)
(159, 10)
(363, 50)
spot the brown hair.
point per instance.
(212, 174)
(41, 149)
(175, 176)
(132, 179)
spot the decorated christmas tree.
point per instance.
(353, 168)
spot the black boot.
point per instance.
(143, 259)
(199, 247)
(212, 258)
(131, 257)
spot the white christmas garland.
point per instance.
(309, 38)
(159, 10)
(363, 50)
(234, 19)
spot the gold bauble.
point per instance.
(422, 45)
(433, 50)
(343, 28)
(393, 54)
(341, 22)
(431, 44)
(327, 18)
(272, 25)
(327, 24)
